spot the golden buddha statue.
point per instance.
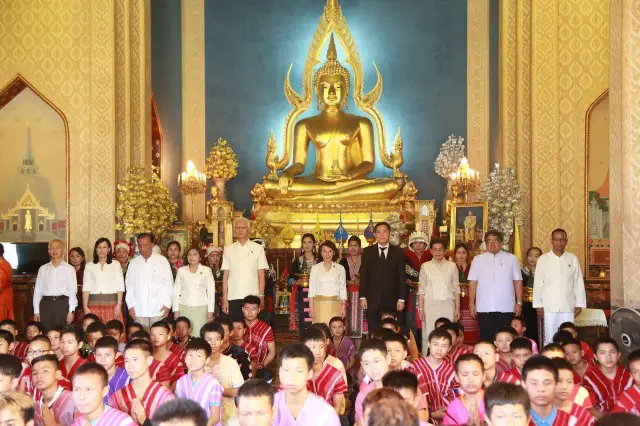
(347, 145)
(344, 144)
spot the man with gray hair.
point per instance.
(243, 266)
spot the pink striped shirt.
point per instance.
(62, 407)
(440, 382)
(153, 397)
(110, 417)
(207, 391)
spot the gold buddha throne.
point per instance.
(345, 145)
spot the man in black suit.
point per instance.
(382, 284)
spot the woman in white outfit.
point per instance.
(194, 292)
(439, 292)
(327, 286)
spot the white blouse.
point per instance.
(194, 288)
(439, 281)
(103, 279)
(328, 283)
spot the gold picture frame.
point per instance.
(179, 233)
(459, 213)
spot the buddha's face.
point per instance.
(331, 90)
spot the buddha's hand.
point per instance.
(284, 182)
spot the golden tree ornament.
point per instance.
(222, 162)
(144, 203)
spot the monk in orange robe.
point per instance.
(6, 292)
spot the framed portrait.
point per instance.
(179, 233)
(469, 222)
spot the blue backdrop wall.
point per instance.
(419, 46)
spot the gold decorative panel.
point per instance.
(478, 85)
(624, 125)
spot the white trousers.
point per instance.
(552, 321)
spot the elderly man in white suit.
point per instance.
(558, 287)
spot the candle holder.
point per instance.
(192, 182)
(464, 180)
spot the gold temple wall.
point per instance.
(67, 50)
(554, 63)
(624, 125)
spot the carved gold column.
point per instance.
(140, 57)
(193, 94)
(515, 99)
(102, 170)
(624, 101)
(478, 85)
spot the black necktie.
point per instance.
(382, 255)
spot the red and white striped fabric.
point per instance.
(628, 401)
(260, 334)
(207, 392)
(588, 356)
(440, 382)
(603, 390)
(177, 349)
(330, 381)
(503, 365)
(20, 350)
(175, 367)
(512, 376)
(453, 356)
(250, 349)
(68, 374)
(110, 417)
(582, 414)
(153, 397)
(159, 372)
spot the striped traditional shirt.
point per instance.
(119, 380)
(440, 382)
(629, 401)
(260, 334)
(329, 382)
(110, 417)
(153, 397)
(61, 405)
(207, 392)
(175, 367)
(582, 414)
(604, 390)
(69, 374)
(453, 356)
(159, 372)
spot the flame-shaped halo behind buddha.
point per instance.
(333, 22)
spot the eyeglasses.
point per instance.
(493, 242)
(35, 353)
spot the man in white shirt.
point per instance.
(495, 287)
(149, 284)
(243, 266)
(558, 287)
(55, 293)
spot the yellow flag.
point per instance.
(517, 248)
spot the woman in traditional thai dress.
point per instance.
(463, 263)
(174, 251)
(327, 286)
(528, 275)
(356, 318)
(415, 256)
(194, 292)
(298, 281)
(439, 293)
(77, 259)
(103, 283)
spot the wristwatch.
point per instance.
(519, 302)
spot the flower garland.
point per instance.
(451, 152)
(144, 203)
(222, 161)
(502, 194)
